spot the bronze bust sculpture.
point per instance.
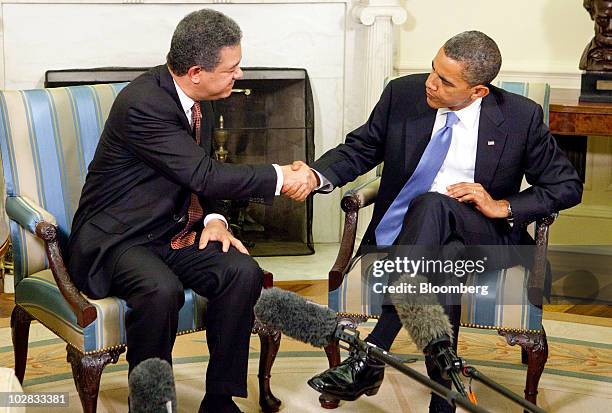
(597, 55)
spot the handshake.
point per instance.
(298, 181)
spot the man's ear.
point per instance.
(480, 91)
(194, 74)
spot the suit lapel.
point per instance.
(491, 140)
(166, 83)
(418, 134)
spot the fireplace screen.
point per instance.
(267, 119)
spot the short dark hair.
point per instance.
(479, 55)
(198, 40)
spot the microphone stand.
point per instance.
(448, 362)
(471, 372)
(350, 336)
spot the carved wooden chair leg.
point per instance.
(87, 370)
(537, 351)
(524, 356)
(536, 347)
(270, 343)
(332, 350)
(20, 328)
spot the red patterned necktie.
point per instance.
(186, 237)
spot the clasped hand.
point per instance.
(298, 181)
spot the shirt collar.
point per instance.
(186, 101)
(467, 115)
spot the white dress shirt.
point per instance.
(187, 104)
(459, 163)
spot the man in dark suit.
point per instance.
(455, 149)
(152, 188)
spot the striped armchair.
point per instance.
(47, 139)
(499, 310)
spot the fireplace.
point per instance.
(267, 119)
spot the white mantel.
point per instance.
(346, 47)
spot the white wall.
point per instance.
(50, 34)
(539, 39)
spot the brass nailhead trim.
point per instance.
(480, 326)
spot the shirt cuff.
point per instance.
(280, 180)
(210, 217)
(324, 184)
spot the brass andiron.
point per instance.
(220, 136)
(246, 92)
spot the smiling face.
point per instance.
(218, 83)
(446, 88)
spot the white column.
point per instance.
(379, 16)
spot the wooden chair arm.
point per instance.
(361, 196)
(351, 203)
(84, 311)
(536, 284)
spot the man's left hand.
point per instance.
(216, 231)
(475, 194)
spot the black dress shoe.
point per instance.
(214, 403)
(350, 379)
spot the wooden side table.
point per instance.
(572, 121)
(568, 116)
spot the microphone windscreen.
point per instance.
(151, 385)
(296, 317)
(421, 314)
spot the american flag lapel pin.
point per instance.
(490, 143)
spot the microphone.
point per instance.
(296, 317)
(151, 386)
(421, 314)
(318, 326)
(428, 326)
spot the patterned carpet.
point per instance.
(578, 375)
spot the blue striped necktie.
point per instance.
(423, 176)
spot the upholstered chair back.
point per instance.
(47, 139)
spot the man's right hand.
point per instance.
(298, 181)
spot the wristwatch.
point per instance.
(510, 217)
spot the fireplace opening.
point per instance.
(267, 119)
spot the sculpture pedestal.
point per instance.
(596, 87)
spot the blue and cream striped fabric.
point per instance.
(538, 92)
(47, 139)
(505, 307)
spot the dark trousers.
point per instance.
(151, 278)
(434, 219)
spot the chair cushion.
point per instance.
(505, 307)
(39, 296)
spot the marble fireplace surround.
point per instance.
(346, 47)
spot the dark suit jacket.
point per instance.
(400, 127)
(144, 168)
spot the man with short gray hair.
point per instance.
(150, 222)
(455, 149)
